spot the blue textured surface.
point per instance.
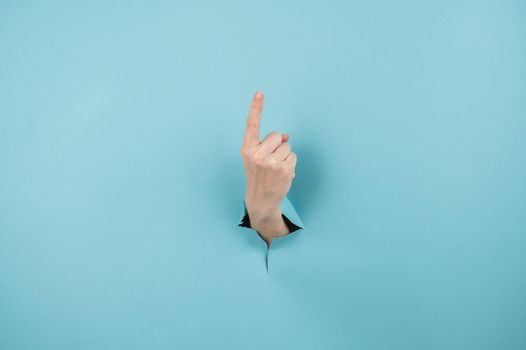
(121, 181)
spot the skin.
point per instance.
(270, 166)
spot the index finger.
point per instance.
(254, 120)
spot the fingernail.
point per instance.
(259, 95)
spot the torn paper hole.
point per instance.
(287, 211)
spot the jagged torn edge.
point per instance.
(286, 208)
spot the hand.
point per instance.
(270, 166)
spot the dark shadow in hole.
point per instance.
(307, 183)
(245, 221)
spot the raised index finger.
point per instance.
(254, 121)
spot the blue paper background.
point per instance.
(121, 181)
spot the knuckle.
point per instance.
(274, 134)
(284, 168)
(288, 173)
(273, 164)
(251, 123)
(258, 159)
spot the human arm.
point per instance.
(270, 168)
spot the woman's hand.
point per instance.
(270, 166)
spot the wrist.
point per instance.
(262, 208)
(267, 221)
(270, 227)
